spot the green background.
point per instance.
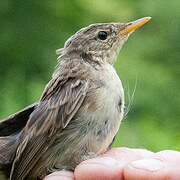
(31, 31)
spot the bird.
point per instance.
(79, 112)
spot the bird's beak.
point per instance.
(131, 26)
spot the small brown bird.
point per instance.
(80, 110)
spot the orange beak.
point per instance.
(134, 25)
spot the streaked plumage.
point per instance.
(79, 112)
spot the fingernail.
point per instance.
(148, 164)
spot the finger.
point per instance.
(63, 175)
(172, 158)
(110, 165)
(104, 168)
(164, 165)
(145, 169)
(126, 155)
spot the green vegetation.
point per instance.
(31, 31)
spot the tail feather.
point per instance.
(8, 146)
(10, 129)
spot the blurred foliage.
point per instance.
(31, 31)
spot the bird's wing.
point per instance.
(15, 122)
(61, 100)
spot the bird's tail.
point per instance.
(8, 146)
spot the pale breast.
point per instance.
(111, 101)
(103, 109)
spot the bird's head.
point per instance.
(101, 41)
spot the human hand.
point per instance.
(126, 164)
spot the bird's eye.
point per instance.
(102, 35)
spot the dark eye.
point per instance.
(102, 35)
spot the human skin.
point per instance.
(126, 164)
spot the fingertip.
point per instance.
(102, 168)
(145, 169)
(169, 156)
(63, 175)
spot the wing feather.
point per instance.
(15, 122)
(60, 102)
